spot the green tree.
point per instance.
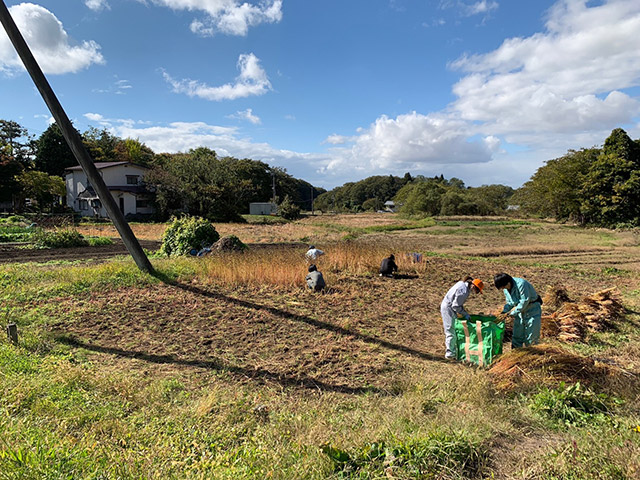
(53, 155)
(353, 195)
(16, 142)
(423, 197)
(612, 184)
(490, 199)
(288, 210)
(198, 183)
(373, 204)
(44, 188)
(555, 190)
(9, 169)
(100, 144)
(132, 150)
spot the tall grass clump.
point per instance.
(287, 267)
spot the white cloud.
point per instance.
(337, 139)
(247, 115)
(565, 80)
(119, 87)
(48, 41)
(48, 118)
(252, 80)
(528, 101)
(227, 16)
(480, 8)
(97, 5)
(411, 141)
(109, 123)
(566, 87)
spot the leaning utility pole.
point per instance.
(74, 141)
(273, 186)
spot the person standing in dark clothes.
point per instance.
(388, 266)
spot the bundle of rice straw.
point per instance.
(601, 309)
(544, 365)
(549, 327)
(554, 297)
(572, 321)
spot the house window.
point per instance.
(96, 203)
(84, 205)
(132, 179)
(142, 203)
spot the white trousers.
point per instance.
(448, 323)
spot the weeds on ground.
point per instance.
(574, 405)
(445, 455)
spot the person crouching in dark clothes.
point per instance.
(388, 266)
(315, 280)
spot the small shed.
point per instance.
(262, 208)
(390, 206)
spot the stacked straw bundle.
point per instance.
(572, 321)
(601, 309)
(555, 297)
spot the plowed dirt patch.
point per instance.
(367, 335)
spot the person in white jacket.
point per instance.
(313, 253)
(453, 305)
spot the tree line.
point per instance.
(419, 195)
(591, 186)
(594, 186)
(198, 182)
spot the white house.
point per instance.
(124, 181)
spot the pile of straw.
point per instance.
(549, 327)
(572, 321)
(601, 309)
(544, 365)
(555, 297)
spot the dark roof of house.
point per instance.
(90, 193)
(101, 165)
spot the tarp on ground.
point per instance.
(479, 339)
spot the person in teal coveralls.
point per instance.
(524, 305)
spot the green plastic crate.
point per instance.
(479, 340)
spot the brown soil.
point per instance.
(368, 334)
(16, 253)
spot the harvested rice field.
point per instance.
(226, 367)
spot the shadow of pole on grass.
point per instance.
(301, 318)
(257, 373)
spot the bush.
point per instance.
(187, 233)
(288, 210)
(67, 238)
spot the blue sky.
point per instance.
(336, 91)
